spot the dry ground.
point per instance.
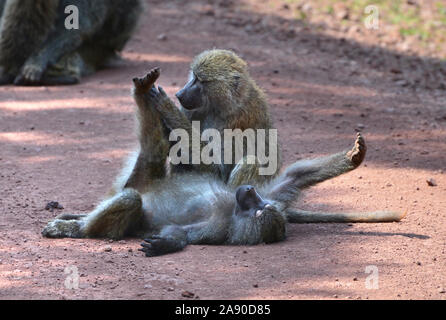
(66, 144)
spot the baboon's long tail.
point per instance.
(300, 216)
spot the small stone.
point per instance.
(255, 285)
(187, 294)
(431, 183)
(53, 205)
(107, 248)
(162, 37)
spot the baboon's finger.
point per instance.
(161, 90)
(146, 245)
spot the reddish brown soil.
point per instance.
(66, 144)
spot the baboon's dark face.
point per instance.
(249, 202)
(256, 220)
(191, 96)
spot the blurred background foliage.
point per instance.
(417, 26)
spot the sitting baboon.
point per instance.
(36, 48)
(193, 207)
(220, 94)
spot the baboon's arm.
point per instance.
(171, 115)
(171, 239)
(174, 238)
(173, 118)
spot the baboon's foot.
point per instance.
(31, 75)
(63, 229)
(357, 153)
(143, 85)
(63, 80)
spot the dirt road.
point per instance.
(66, 144)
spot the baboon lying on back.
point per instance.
(36, 48)
(192, 207)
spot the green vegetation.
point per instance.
(423, 20)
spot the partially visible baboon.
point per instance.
(36, 48)
(193, 207)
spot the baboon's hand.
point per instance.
(158, 97)
(160, 100)
(357, 153)
(156, 246)
(143, 85)
(31, 74)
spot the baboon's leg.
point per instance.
(59, 43)
(113, 218)
(305, 173)
(121, 214)
(151, 159)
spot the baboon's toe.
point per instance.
(143, 85)
(357, 154)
